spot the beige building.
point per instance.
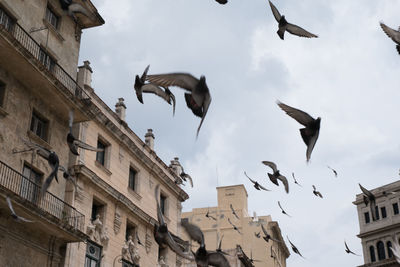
(240, 246)
(377, 236)
(88, 225)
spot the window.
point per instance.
(390, 252)
(97, 209)
(383, 212)
(6, 20)
(2, 93)
(46, 60)
(101, 155)
(132, 178)
(372, 253)
(377, 213)
(381, 250)
(39, 126)
(28, 189)
(366, 216)
(163, 204)
(130, 231)
(93, 255)
(395, 208)
(52, 18)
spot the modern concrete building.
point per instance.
(96, 223)
(378, 236)
(245, 246)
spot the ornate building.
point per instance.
(378, 235)
(243, 246)
(100, 220)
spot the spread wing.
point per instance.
(183, 80)
(297, 114)
(85, 146)
(187, 176)
(264, 231)
(275, 11)
(296, 30)
(49, 179)
(311, 145)
(366, 192)
(263, 188)
(393, 34)
(174, 246)
(285, 182)
(193, 231)
(154, 89)
(144, 75)
(206, 105)
(249, 178)
(217, 259)
(13, 212)
(233, 212)
(271, 165)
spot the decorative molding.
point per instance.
(148, 241)
(117, 220)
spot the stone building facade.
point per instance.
(241, 247)
(97, 222)
(378, 236)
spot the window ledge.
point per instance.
(39, 140)
(53, 30)
(3, 112)
(103, 168)
(134, 193)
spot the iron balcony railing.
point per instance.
(17, 33)
(28, 190)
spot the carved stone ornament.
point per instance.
(148, 242)
(97, 232)
(117, 220)
(130, 251)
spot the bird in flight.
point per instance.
(74, 143)
(258, 235)
(203, 257)
(334, 171)
(222, 2)
(210, 216)
(311, 131)
(267, 236)
(198, 97)
(283, 211)
(251, 258)
(234, 212)
(393, 34)
(348, 250)
(256, 184)
(286, 26)
(294, 248)
(295, 181)
(68, 176)
(369, 199)
(275, 176)
(219, 249)
(186, 177)
(142, 87)
(14, 215)
(317, 193)
(234, 226)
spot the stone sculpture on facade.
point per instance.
(130, 251)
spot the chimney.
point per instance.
(149, 138)
(176, 166)
(85, 75)
(120, 108)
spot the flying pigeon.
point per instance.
(294, 248)
(68, 176)
(317, 193)
(295, 181)
(141, 87)
(210, 216)
(219, 249)
(222, 2)
(286, 26)
(258, 235)
(234, 226)
(74, 143)
(311, 132)
(267, 236)
(276, 175)
(369, 199)
(283, 211)
(14, 215)
(234, 212)
(199, 98)
(203, 257)
(256, 184)
(186, 177)
(334, 171)
(393, 34)
(251, 257)
(348, 250)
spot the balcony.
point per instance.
(61, 218)
(25, 58)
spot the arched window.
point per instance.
(388, 246)
(372, 253)
(381, 250)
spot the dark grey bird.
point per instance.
(251, 258)
(14, 215)
(311, 131)
(286, 26)
(294, 248)
(234, 226)
(348, 250)
(161, 234)
(74, 143)
(234, 212)
(186, 177)
(142, 87)
(210, 216)
(256, 184)
(334, 171)
(73, 8)
(295, 181)
(317, 193)
(258, 235)
(393, 34)
(68, 176)
(275, 176)
(219, 249)
(267, 236)
(283, 211)
(369, 199)
(199, 98)
(203, 257)
(222, 2)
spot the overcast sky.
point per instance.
(349, 77)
